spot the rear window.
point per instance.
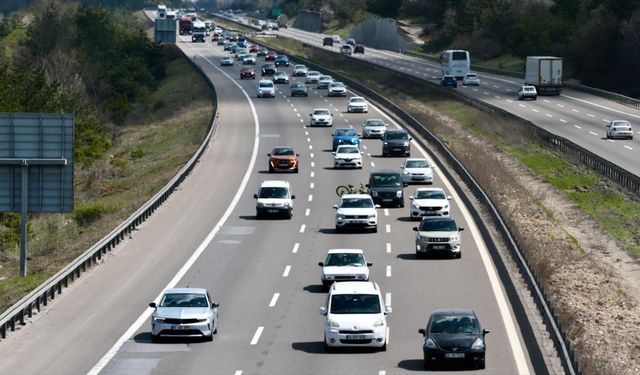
(459, 56)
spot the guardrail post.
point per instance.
(3, 331)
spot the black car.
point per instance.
(396, 141)
(299, 89)
(454, 335)
(386, 188)
(359, 48)
(327, 41)
(269, 69)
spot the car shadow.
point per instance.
(327, 230)
(412, 256)
(145, 338)
(411, 364)
(407, 219)
(314, 288)
(311, 347)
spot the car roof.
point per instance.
(415, 159)
(265, 81)
(275, 183)
(356, 97)
(453, 311)
(351, 287)
(366, 196)
(401, 130)
(384, 171)
(343, 251)
(185, 290)
(429, 189)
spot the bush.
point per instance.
(87, 213)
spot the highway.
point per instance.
(264, 273)
(575, 115)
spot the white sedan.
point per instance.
(357, 104)
(347, 156)
(417, 171)
(429, 202)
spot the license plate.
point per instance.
(272, 210)
(396, 149)
(177, 328)
(359, 222)
(387, 200)
(454, 355)
(439, 247)
(356, 337)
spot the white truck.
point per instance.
(198, 32)
(545, 73)
(162, 11)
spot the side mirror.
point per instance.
(361, 152)
(422, 331)
(310, 114)
(415, 229)
(448, 197)
(367, 185)
(321, 264)
(334, 152)
(405, 185)
(335, 206)
(460, 229)
(369, 264)
(387, 310)
(293, 197)
(485, 331)
(402, 167)
(214, 305)
(153, 304)
(332, 134)
(378, 206)
(323, 310)
(255, 196)
(269, 155)
(297, 154)
(411, 197)
(411, 139)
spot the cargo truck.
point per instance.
(545, 73)
(185, 25)
(162, 11)
(198, 32)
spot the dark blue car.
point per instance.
(345, 136)
(448, 80)
(282, 60)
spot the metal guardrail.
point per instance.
(550, 318)
(40, 297)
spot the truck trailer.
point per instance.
(545, 73)
(185, 24)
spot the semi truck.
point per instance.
(282, 21)
(185, 24)
(198, 32)
(545, 73)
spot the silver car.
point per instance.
(184, 312)
(374, 128)
(324, 82)
(313, 76)
(619, 129)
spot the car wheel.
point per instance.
(327, 348)
(259, 215)
(295, 170)
(481, 365)
(419, 255)
(401, 205)
(608, 136)
(375, 229)
(155, 338)
(338, 229)
(209, 338)
(384, 347)
(535, 98)
(289, 214)
(459, 255)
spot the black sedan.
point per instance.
(454, 335)
(269, 69)
(299, 89)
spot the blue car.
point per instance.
(282, 60)
(345, 136)
(449, 80)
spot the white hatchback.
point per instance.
(471, 79)
(347, 156)
(619, 129)
(313, 76)
(320, 117)
(266, 88)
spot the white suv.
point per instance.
(356, 211)
(266, 88)
(274, 198)
(321, 117)
(344, 265)
(355, 316)
(527, 91)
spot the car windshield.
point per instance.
(396, 135)
(356, 203)
(416, 164)
(344, 259)
(283, 151)
(313, 74)
(438, 225)
(355, 304)
(273, 192)
(621, 123)
(386, 180)
(300, 67)
(321, 112)
(183, 300)
(357, 100)
(471, 76)
(374, 122)
(281, 74)
(337, 84)
(298, 86)
(430, 194)
(268, 66)
(465, 324)
(266, 84)
(345, 132)
(347, 150)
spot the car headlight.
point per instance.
(399, 194)
(454, 238)
(429, 343)
(372, 216)
(405, 173)
(286, 204)
(339, 217)
(478, 344)
(379, 322)
(202, 320)
(406, 143)
(333, 324)
(158, 319)
(423, 237)
(386, 143)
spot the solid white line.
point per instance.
(287, 269)
(599, 106)
(256, 336)
(274, 299)
(388, 272)
(386, 212)
(295, 248)
(200, 249)
(302, 228)
(388, 247)
(307, 212)
(310, 197)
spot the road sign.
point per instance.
(165, 30)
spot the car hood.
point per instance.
(337, 88)
(449, 340)
(182, 312)
(321, 117)
(345, 137)
(397, 141)
(356, 211)
(375, 127)
(357, 104)
(446, 234)
(348, 156)
(356, 321)
(431, 202)
(386, 188)
(345, 270)
(426, 171)
(272, 201)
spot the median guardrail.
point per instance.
(42, 295)
(549, 317)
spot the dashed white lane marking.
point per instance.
(325, 99)
(296, 110)
(387, 299)
(302, 228)
(560, 105)
(593, 133)
(605, 120)
(312, 174)
(274, 299)
(575, 110)
(307, 212)
(288, 101)
(546, 100)
(301, 120)
(238, 372)
(578, 126)
(496, 86)
(535, 110)
(306, 133)
(298, 114)
(364, 147)
(509, 101)
(388, 228)
(311, 155)
(522, 105)
(291, 104)
(486, 93)
(382, 372)
(388, 271)
(308, 139)
(563, 120)
(341, 115)
(388, 247)
(310, 147)
(386, 212)
(476, 90)
(295, 248)
(591, 115)
(497, 97)
(256, 336)
(287, 269)
(310, 197)
(611, 140)
(373, 164)
(627, 147)
(548, 115)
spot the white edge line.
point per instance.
(189, 263)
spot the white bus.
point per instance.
(455, 63)
(162, 11)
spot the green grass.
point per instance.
(146, 153)
(504, 63)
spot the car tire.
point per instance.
(375, 229)
(459, 255)
(401, 205)
(535, 98)
(338, 229)
(209, 338)
(295, 170)
(481, 365)
(327, 348)
(259, 215)
(383, 348)
(289, 215)
(155, 338)
(608, 136)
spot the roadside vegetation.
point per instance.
(140, 110)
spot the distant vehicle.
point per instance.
(344, 265)
(396, 141)
(471, 79)
(374, 128)
(619, 129)
(281, 77)
(454, 335)
(221, 42)
(344, 136)
(545, 74)
(262, 52)
(449, 81)
(324, 82)
(337, 89)
(198, 32)
(253, 48)
(336, 39)
(283, 20)
(282, 60)
(359, 48)
(249, 60)
(527, 92)
(346, 49)
(429, 202)
(351, 42)
(455, 62)
(438, 235)
(274, 198)
(313, 76)
(268, 69)
(270, 56)
(356, 211)
(386, 188)
(347, 156)
(161, 11)
(299, 89)
(208, 25)
(247, 72)
(266, 88)
(171, 14)
(320, 117)
(283, 159)
(300, 70)
(184, 312)
(417, 171)
(184, 25)
(226, 61)
(327, 41)
(357, 104)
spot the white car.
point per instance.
(527, 91)
(313, 76)
(347, 156)
(429, 202)
(417, 171)
(355, 316)
(300, 70)
(324, 82)
(356, 211)
(336, 39)
(184, 312)
(357, 104)
(619, 129)
(274, 198)
(471, 79)
(249, 60)
(374, 128)
(344, 265)
(346, 49)
(266, 88)
(438, 235)
(337, 89)
(321, 117)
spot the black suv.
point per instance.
(396, 141)
(386, 188)
(327, 41)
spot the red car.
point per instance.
(247, 72)
(271, 56)
(283, 159)
(253, 48)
